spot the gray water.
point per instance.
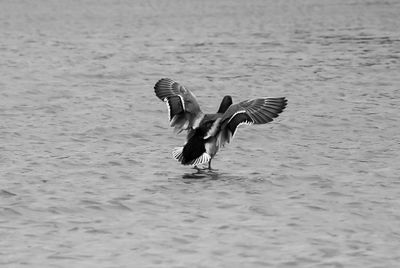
(86, 173)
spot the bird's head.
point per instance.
(225, 103)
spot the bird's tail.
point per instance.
(177, 153)
(187, 156)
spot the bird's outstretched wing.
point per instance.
(183, 109)
(256, 111)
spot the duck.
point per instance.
(207, 133)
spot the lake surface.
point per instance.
(86, 173)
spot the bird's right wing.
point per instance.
(183, 109)
(255, 111)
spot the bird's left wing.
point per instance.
(255, 111)
(183, 109)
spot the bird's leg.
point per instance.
(210, 168)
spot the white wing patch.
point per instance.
(169, 108)
(243, 123)
(183, 103)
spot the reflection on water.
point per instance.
(202, 174)
(86, 173)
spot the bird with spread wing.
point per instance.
(206, 133)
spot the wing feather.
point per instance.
(183, 108)
(255, 111)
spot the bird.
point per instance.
(207, 133)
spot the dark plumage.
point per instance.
(225, 103)
(209, 132)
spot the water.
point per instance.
(87, 177)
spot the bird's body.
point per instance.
(201, 145)
(207, 133)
